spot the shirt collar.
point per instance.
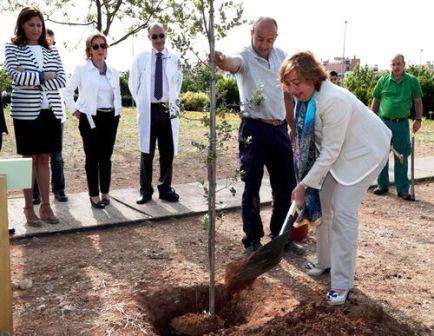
(258, 57)
(90, 66)
(164, 52)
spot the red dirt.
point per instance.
(196, 324)
(134, 279)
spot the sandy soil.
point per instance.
(133, 280)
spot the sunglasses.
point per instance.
(97, 46)
(156, 36)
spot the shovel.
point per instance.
(240, 273)
(413, 198)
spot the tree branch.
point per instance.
(98, 15)
(204, 18)
(71, 23)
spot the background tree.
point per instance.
(426, 80)
(102, 15)
(361, 82)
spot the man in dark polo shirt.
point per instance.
(263, 133)
(394, 96)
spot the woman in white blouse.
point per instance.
(98, 110)
(37, 75)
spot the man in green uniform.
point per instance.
(394, 95)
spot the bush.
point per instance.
(198, 79)
(361, 82)
(426, 80)
(194, 101)
(227, 93)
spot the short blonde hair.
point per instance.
(89, 41)
(306, 66)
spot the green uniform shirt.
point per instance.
(396, 98)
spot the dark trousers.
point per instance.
(57, 173)
(260, 145)
(98, 146)
(161, 131)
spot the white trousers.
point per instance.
(338, 233)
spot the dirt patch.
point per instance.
(182, 311)
(97, 282)
(319, 318)
(196, 324)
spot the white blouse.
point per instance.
(105, 96)
(39, 57)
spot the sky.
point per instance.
(375, 31)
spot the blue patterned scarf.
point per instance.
(305, 155)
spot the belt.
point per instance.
(274, 122)
(105, 110)
(160, 104)
(394, 119)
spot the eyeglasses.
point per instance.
(156, 36)
(97, 46)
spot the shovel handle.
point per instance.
(412, 169)
(292, 210)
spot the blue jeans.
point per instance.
(260, 145)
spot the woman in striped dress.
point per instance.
(37, 112)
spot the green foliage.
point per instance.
(198, 78)
(426, 80)
(123, 79)
(134, 15)
(5, 80)
(228, 96)
(361, 82)
(195, 101)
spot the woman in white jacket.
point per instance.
(345, 148)
(98, 109)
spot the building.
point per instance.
(336, 64)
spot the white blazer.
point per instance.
(140, 87)
(86, 78)
(351, 139)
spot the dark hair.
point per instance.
(49, 32)
(89, 41)
(306, 66)
(333, 73)
(26, 14)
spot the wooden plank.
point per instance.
(6, 325)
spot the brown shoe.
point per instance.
(31, 218)
(47, 214)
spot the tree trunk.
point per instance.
(212, 166)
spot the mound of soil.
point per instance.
(319, 318)
(181, 311)
(196, 324)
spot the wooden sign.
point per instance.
(14, 174)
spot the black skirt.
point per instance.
(42, 135)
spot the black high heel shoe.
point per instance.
(97, 205)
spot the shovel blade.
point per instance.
(242, 272)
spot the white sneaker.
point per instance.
(312, 270)
(338, 299)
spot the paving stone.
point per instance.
(76, 214)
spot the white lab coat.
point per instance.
(140, 87)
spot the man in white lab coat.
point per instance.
(155, 82)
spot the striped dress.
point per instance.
(27, 87)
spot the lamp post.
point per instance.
(420, 57)
(343, 54)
